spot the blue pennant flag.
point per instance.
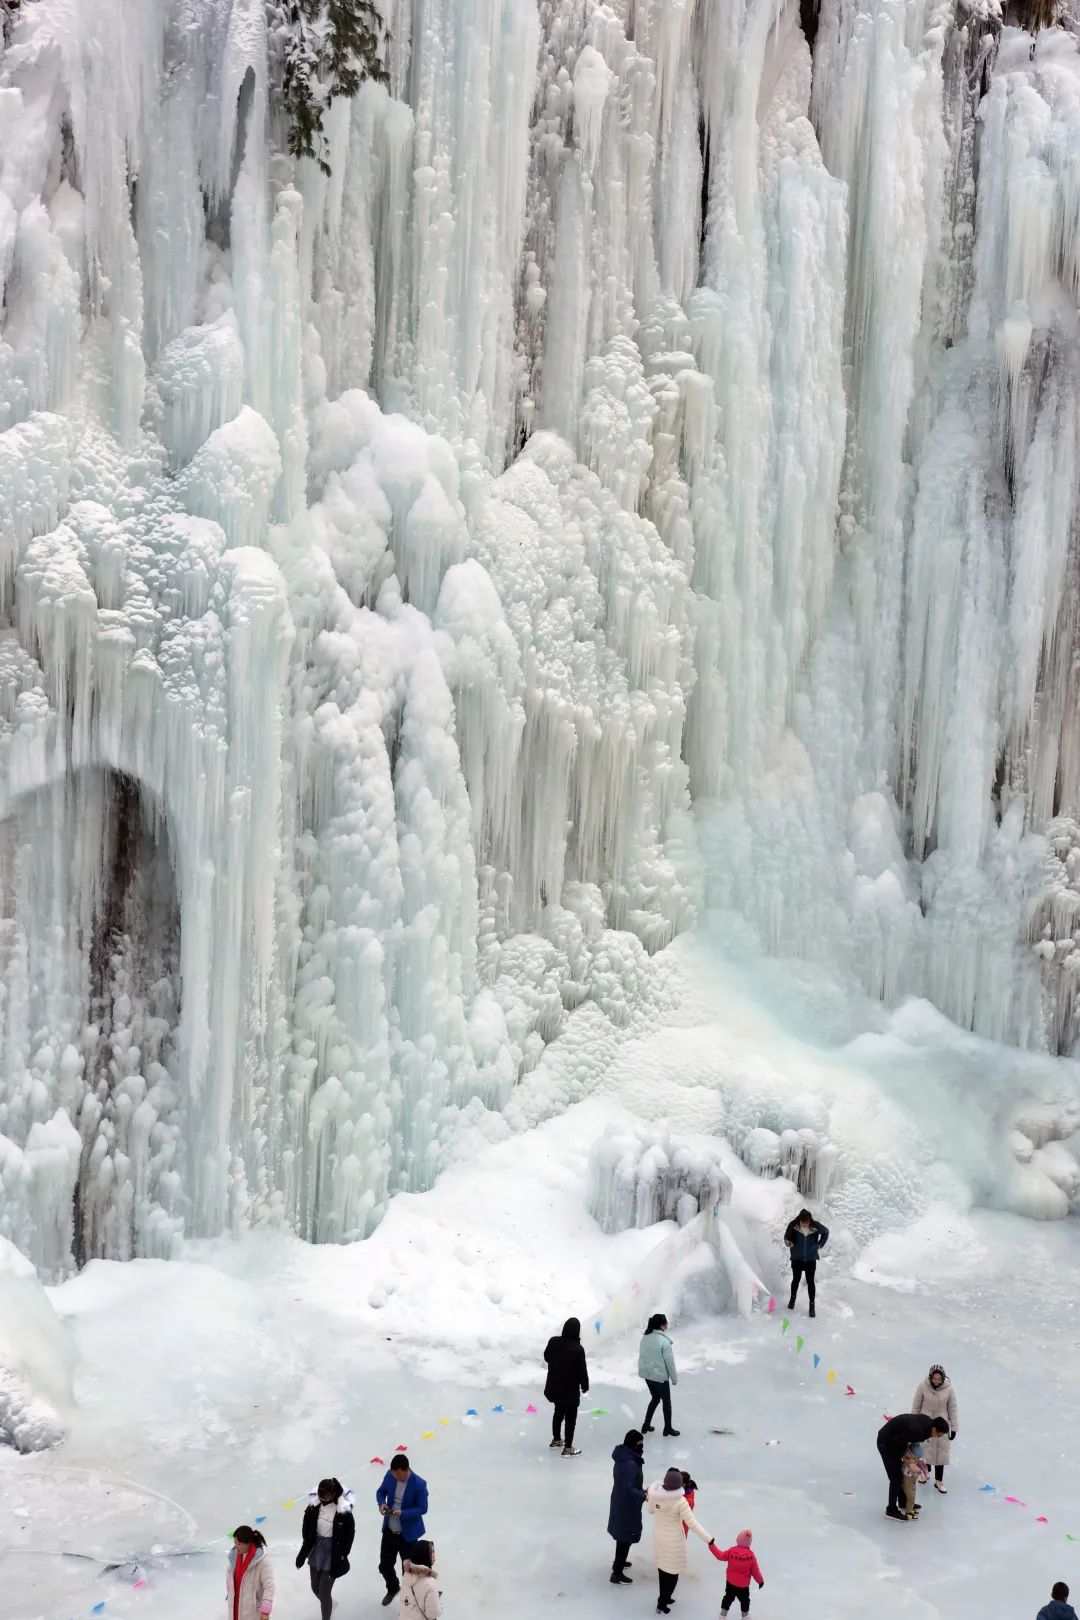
(471, 1412)
(988, 1487)
(596, 1324)
(817, 1362)
(496, 1408)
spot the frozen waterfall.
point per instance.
(640, 474)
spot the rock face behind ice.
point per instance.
(36, 1358)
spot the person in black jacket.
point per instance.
(627, 1501)
(805, 1238)
(894, 1438)
(567, 1382)
(327, 1533)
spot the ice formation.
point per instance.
(639, 1177)
(36, 1358)
(642, 472)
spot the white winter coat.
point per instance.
(256, 1588)
(936, 1403)
(671, 1511)
(419, 1598)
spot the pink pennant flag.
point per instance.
(379, 1461)
(1042, 1520)
(530, 1409)
(849, 1390)
(1016, 1500)
(401, 1448)
(136, 1585)
(772, 1306)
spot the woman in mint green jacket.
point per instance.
(656, 1364)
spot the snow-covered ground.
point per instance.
(215, 1390)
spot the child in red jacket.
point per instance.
(690, 1492)
(741, 1567)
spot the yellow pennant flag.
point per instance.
(832, 1378)
(290, 1504)
(444, 1420)
(429, 1435)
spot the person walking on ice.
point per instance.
(666, 1500)
(742, 1568)
(627, 1502)
(805, 1238)
(567, 1382)
(936, 1397)
(896, 1437)
(326, 1540)
(403, 1501)
(249, 1578)
(1059, 1607)
(656, 1364)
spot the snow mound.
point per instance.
(36, 1358)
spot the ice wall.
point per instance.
(645, 413)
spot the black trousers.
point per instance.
(891, 1462)
(564, 1422)
(668, 1583)
(391, 1548)
(733, 1592)
(799, 1270)
(658, 1393)
(322, 1584)
(622, 1557)
(939, 1470)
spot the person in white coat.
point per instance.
(420, 1598)
(936, 1397)
(249, 1578)
(666, 1501)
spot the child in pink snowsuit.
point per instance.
(742, 1566)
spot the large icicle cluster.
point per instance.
(647, 403)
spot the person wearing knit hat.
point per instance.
(666, 1501)
(742, 1567)
(936, 1397)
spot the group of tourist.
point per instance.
(910, 1445)
(916, 1441)
(327, 1532)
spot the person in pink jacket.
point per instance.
(742, 1567)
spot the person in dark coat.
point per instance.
(894, 1438)
(326, 1539)
(567, 1382)
(805, 1238)
(627, 1500)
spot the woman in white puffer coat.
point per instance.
(667, 1503)
(936, 1397)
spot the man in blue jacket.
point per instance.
(403, 1501)
(1059, 1607)
(806, 1238)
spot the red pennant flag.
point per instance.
(849, 1390)
(401, 1448)
(379, 1461)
